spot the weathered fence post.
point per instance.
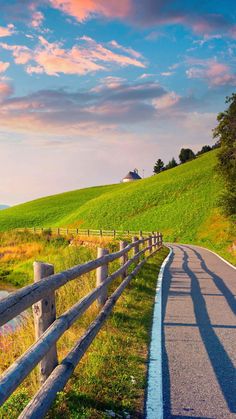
(153, 241)
(161, 239)
(44, 315)
(136, 248)
(150, 243)
(102, 273)
(123, 258)
(156, 239)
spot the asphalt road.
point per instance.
(199, 335)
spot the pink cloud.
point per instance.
(84, 57)
(127, 50)
(3, 66)
(21, 53)
(37, 19)
(166, 101)
(5, 89)
(216, 74)
(82, 10)
(7, 31)
(146, 13)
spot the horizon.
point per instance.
(91, 90)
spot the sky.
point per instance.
(90, 89)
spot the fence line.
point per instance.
(85, 232)
(49, 329)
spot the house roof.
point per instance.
(132, 175)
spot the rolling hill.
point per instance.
(181, 202)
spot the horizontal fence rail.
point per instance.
(60, 231)
(49, 329)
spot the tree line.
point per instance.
(186, 154)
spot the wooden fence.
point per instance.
(86, 232)
(41, 296)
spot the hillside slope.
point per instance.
(181, 202)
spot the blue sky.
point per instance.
(91, 89)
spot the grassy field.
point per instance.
(181, 202)
(112, 375)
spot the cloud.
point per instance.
(85, 9)
(7, 31)
(144, 13)
(37, 19)
(84, 57)
(3, 66)
(215, 73)
(6, 90)
(166, 101)
(117, 103)
(128, 50)
(21, 53)
(167, 73)
(147, 13)
(146, 76)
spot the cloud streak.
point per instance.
(212, 71)
(7, 31)
(85, 57)
(145, 13)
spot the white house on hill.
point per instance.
(131, 176)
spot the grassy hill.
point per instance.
(181, 202)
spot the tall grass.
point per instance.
(111, 375)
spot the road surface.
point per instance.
(199, 335)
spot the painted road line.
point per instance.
(154, 401)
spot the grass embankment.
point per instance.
(111, 376)
(181, 202)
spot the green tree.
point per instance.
(186, 154)
(159, 166)
(172, 163)
(225, 132)
(204, 149)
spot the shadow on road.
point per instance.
(219, 282)
(221, 363)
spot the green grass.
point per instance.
(181, 202)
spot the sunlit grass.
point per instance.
(179, 202)
(112, 373)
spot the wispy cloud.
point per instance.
(4, 66)
(84, 57)
(214, 72)
(7, 31)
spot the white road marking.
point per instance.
(154, 403)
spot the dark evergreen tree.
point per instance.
(172, 163)
(159, 166)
